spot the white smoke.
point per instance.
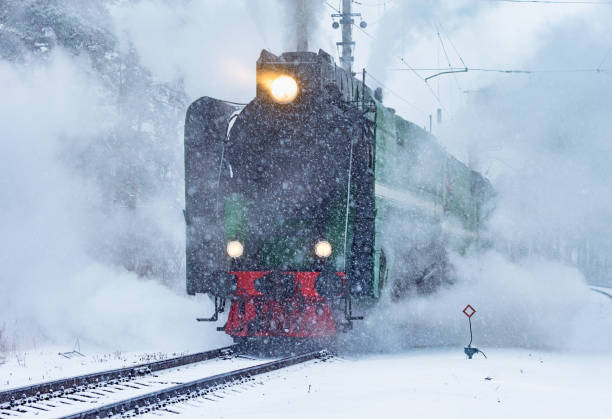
(302, 19)
(53, 289)
(212, 46)
(534, 304)
(543, 141)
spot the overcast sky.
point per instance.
(485, 34)
(541, 138)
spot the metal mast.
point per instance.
(346, 20)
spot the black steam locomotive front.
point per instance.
(270, 193)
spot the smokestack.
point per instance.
(302, 20)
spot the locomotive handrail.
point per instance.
(348, 201)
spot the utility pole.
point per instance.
(346, 20)
(347, 36)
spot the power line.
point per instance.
(384, 3)
(337, 10)
(443, 47)
(463, 70)
(395, 94)
(407, 65)
(426, 68)
(507, 71)
(560, 70)
(404, 62)
(550, 2)
(452, 44)
(424, 81)
(447, 60)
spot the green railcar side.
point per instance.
(420, 184)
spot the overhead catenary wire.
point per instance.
(447, 58)
(387, 89)
(443, 46)
(465, 68)
(433, 93)
(551, 2)
(446, 70)
(407, 65)
(335, 9)
(452, 44)
(424, 81)
(558, 70)
(383, 3)
(397, 95)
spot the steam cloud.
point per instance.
(53, 288)
(302, 20)
(543, 142)
(531, 304)
(87, 243)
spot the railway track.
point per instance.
(27, 395)
(139, 389)
(160, 400)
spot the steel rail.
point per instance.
(34, 392)
(159, 399)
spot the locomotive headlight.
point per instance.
(284, 89)
(323, 249)
(235, 249)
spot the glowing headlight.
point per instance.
(284, 89)
(323, 249)
(235, 249)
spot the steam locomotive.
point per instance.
(315, 200)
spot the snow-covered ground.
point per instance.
(426, 383)
(22, 368)
(430, 383)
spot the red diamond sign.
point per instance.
(469, 311)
